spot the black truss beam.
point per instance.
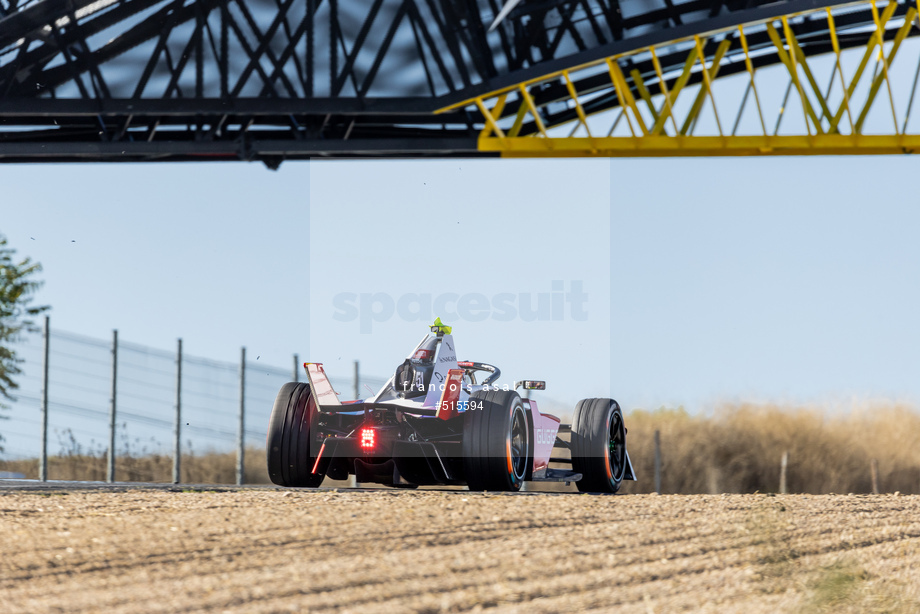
(292, 79)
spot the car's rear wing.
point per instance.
(321, 387)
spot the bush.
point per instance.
(737, 449)
(739, 446)
(206, 468)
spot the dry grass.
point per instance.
(738, 449)
(207, 468)
(135, 463)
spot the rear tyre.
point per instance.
(496, 441)
(288, 444)
(599, 445)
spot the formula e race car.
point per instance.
(432, 423)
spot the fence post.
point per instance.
(43, 461)
(714, 478)
(783, 463)
(177, 442)
(874, 468)
(240, 448)
(110, 465)
(296, 368)
(658, 462)
(357, 383)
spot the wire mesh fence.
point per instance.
(120, 411)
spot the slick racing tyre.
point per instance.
(496, 441)
(599, 445)
(289, 460)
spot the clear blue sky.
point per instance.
(789, 280)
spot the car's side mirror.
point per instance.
(531, 384)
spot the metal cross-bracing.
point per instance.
(137, 80)
(839, 83)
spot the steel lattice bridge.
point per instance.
(269, 80)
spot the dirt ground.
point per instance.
(271, 550)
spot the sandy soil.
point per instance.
(429, 551)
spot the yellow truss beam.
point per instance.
(749, 66)
(667, 109)
(836, 45)
(624, 95)
(870, 48)
(657, 146)
(886, 62)
(669, 125)
(582, 117)
(708, 75)
(789, 62)
(643, 92)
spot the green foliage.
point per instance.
(17, 288)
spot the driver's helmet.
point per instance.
(414, 375)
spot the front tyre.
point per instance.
(496, 441)
(288, 444)
(599, 445)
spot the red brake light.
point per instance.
(367, 439)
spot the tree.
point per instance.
(17, 287)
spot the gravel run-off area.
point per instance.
(136, 549)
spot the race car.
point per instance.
(433, 423)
